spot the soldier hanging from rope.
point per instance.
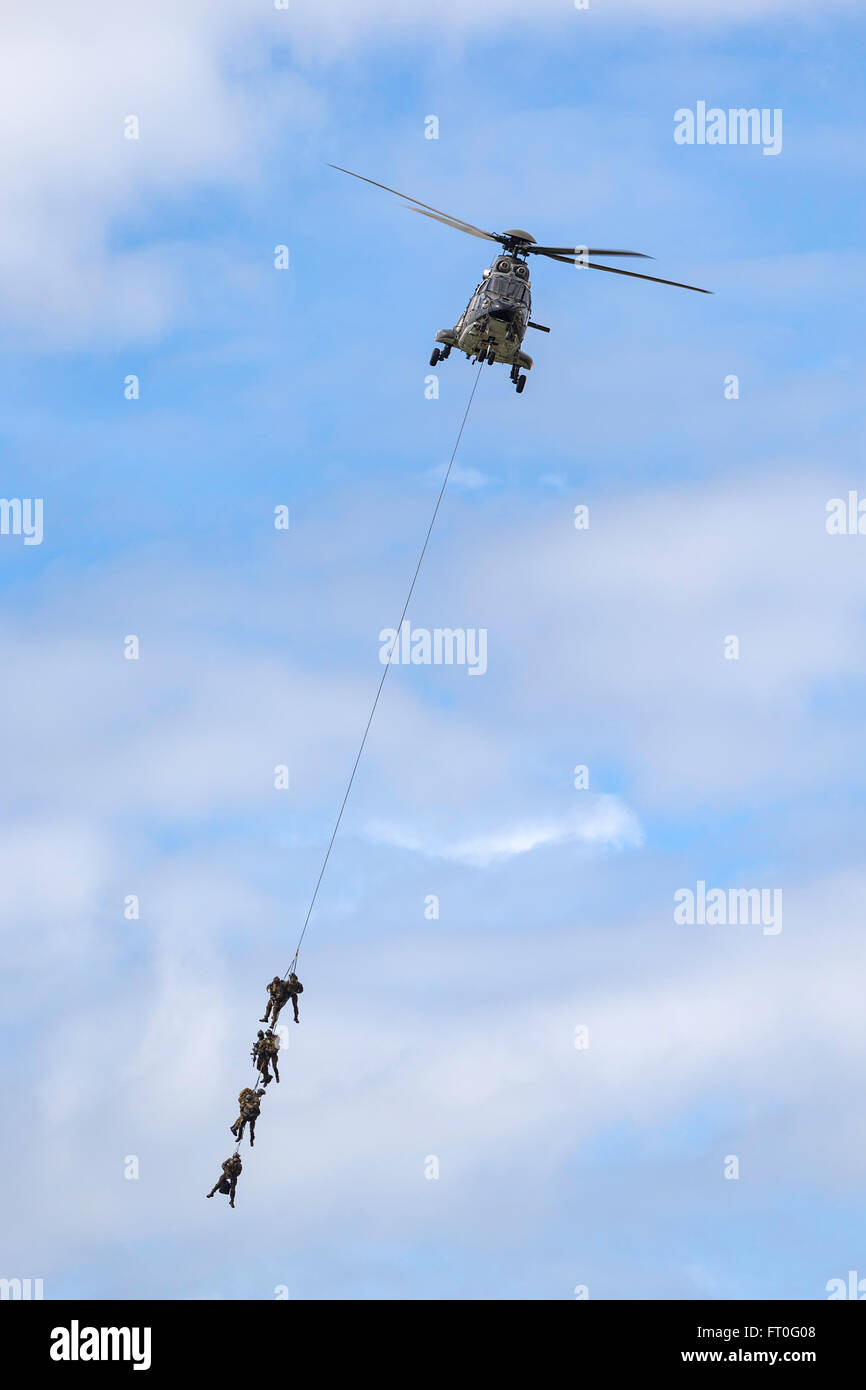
(265, 1049)
(250, 1104)
(259, 1056)
(228, 1179)
(280, 992)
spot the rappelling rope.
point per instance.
(386, 670)
(379, 690)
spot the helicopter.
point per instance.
(493, 324)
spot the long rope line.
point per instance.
(378, 694)
(386, 670)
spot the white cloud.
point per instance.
(622, 628)
(464, 479)
(71, 178)
(605, 822)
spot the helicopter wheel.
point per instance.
(491, 354)
(520, 383)
(434, 356)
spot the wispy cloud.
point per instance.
(462, 477)
(606, 822)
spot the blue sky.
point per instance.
(559, 1167)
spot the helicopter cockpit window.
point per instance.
(504, 286)
(507, 287)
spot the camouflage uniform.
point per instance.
(281, 991)
(259, 1056)
(228, 1180)
(272, 1047)
(277, 997)
(294, 987)
(264, 1053)
(250, 1104)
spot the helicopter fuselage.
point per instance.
(497, 316)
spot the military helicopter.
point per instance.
(494, 322)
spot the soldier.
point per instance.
(281, 991)
(250, 1104)
(294, 988)
(272, 1047)
(229, 1178)
(259, 1056)
(275, 999)
(265, 1049)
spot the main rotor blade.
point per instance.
(430, 211)
(632, 274)
(453, 222)
(591, 251)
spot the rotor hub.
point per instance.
(514, 234)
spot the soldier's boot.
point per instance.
(252, 1132)
(214, 1188)
(295, 1002)
(276, 1073)
(267, 1012)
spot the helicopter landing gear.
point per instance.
(520, 383)
(435, 355)
(491, 354)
